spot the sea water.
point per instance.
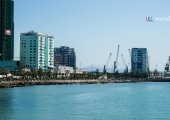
(117, 101)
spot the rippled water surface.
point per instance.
(127, 101)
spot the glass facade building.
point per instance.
(6, 30)
(65, 56)
(36, 51)
(12, 66)
(139, 60)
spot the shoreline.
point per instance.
(11, 84)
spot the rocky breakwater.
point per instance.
(9, 84)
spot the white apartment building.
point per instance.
(36, 50)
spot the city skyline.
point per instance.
(95, 28)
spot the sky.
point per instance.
(95, 28)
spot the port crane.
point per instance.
(130, 58)
(104, 76)
(126, 67)
(116, 61)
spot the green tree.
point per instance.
(49, 73)
(40, 72)
(34, 74)
(67, 73)
(4, 71)
(55, 75)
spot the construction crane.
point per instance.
(129, 53)
(116, 61)
(105, 66)
(126, 67)
(104, 76)
(130, 57)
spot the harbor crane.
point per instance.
(116, 61)
(126, 67)
(104, 76)
(130, 57)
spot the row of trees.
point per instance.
(46, 75)
(40, 74)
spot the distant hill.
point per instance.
(89, 69)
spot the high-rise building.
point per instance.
(6, 30)
(36, 51)
(65, 56)
(139, 60)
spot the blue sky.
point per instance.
(95, 27)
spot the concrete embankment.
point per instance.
(9, 84)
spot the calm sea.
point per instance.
(127, 101)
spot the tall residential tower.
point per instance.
(6, 30)
(139, 60)
(65, 56)
(36, 51)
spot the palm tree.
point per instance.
(55, 75)
(34, 74)
(4, 71)
(67, 73)
(59, 75)
(40, 72)
(62, 76)
(28, 75)
(49, 74)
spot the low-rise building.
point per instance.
(157, 75)
(12, 66)
(167, 75)
(78, 71)
(62, 70)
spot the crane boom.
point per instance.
(117, 56)
(104, 76)
(130, 58)
(123, 60)
(116, 62)
(126, 67)
(105, 66)
(108, 59)
(129, 53)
